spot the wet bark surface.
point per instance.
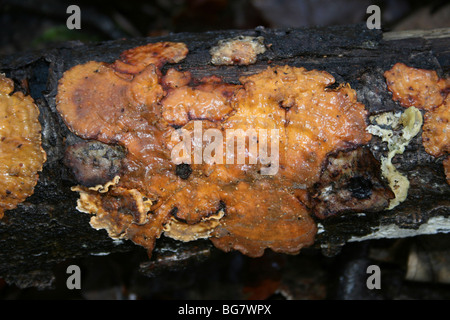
(46, 229)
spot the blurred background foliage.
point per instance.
(36, 24)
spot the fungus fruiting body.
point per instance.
(250, 206)
(416, 87)
(446, 163)
(21, 153)
(436, 130)
(424, 90)
(242, 50)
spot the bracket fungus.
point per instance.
(21, 153)
(424, 90)
(248, 206)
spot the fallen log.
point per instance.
(47, 229)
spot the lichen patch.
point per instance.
(131, 103)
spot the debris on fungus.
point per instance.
(21, 153)
(424, 90)
(241, 50)
(134, 60)
(246, 206)
(94, 163)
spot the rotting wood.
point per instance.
(47, 229)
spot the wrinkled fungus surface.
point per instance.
(21, 153)
(94, 163)
(420, 88)
(447, 169)
(248, 206)
(424, 90)
(436, 130)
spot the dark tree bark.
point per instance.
(47, 229)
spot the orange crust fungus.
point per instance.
(260, 217)
(134, 60)
(21, 153)
(436, 130)
(420, 88)
(242, 50)
(313, 120)
(132, 104)
(425, 90)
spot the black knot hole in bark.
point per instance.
(360, 187)
(183, 171)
